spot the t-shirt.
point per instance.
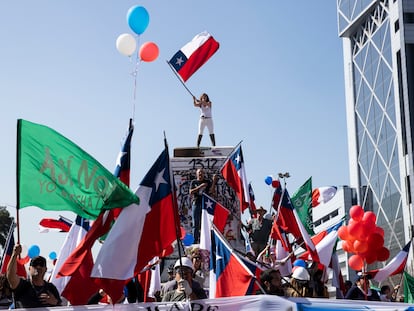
(26, 295)
(260, 231)
(172, 286)
(197, 197)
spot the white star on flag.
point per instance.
(209, 205)
(179, 61)
(120, 156)
(159, 179)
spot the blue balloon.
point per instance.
(33, 251)
(299, 263)
(138, 19)
(188, 239)
(268, 180)
(52, 255)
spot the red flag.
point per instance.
(234, 173)
(194, 54)
(140, 232)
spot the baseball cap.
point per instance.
(38, 261)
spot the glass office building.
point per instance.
(378, 47)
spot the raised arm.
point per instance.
(11, 273)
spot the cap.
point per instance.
(185, 262)
(38, 261)
(261, 210)
(301, 274)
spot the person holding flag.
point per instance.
(206, 118)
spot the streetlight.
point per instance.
(284, 176)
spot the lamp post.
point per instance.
(284, 176)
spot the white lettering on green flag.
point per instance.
(302, 201)
(55, 174)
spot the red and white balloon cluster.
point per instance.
(126, 44)
(363, 238)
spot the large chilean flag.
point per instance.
(194, 54)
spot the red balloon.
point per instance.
(369, 217)
(356, 262)
(369, 227)
(355, 229)
(383, 254)
(370, 256)
(360, 246)
(275, 183)
(347, 246)
(343, 233)
(375, 241)
(379, 230)
(148, 52)
(356, 212)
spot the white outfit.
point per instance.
(206, 120)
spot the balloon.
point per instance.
(379, 230)
(375, 241)
(360, 246)
(355, 229)
(275, 183)
(369, 217)
(188, 239)
(268, 180)
(343, 233)
(356, 212)
(52, 255)
(370, 256)
(126, 44)
(356, 262)
(149, 52)
(383, 254)
(33, 251)
(138, 19)
(299, 263)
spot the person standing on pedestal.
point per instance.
(206, 118)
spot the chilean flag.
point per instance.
(68, 287)
(194, 54)
(141, 232)
(289, 221)
(234, 174)
(229, 275)
(395, 266)
(212, 212)
(62, 224)
(8, 251)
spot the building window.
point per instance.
(397, 26)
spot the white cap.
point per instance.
(301, 273)
(186, 262)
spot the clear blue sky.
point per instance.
(276, 83)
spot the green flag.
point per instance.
(302, 201)
(408, 288)
(55, 174)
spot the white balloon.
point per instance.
(126, 44)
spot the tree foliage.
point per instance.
(5, 223)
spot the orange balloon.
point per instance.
(356, 262)
(149, 52)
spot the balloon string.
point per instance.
(135, 74)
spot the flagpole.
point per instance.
(6, 245)
(174, 203)
(19, 126)
(229, 156)
(178, 77)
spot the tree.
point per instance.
(5, 223)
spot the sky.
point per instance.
(276, 84)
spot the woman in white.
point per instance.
(206, 118)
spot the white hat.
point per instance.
(186, 262)
(300, 273)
